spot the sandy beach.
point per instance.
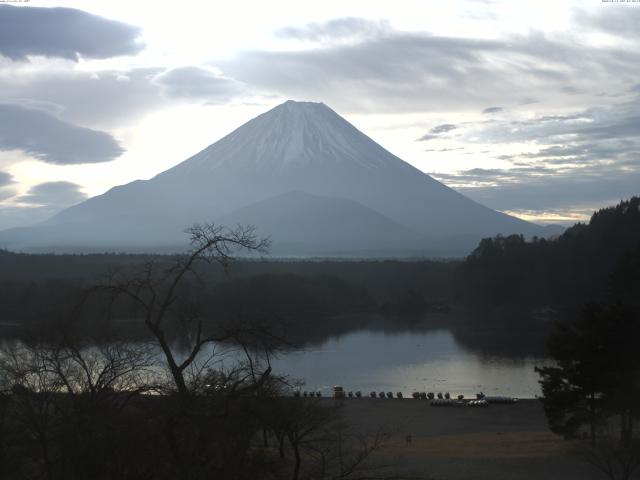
(496, 442)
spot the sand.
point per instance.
(496, 442)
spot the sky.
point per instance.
(529, 107)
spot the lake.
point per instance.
(406, 362)
(431, 360)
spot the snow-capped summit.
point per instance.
(351, 196)
(293, 134)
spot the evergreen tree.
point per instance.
(597, 374)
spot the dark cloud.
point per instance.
(5, 179)
(98, 99)
(6, 184)
(51, 140)
(394, 71)
(382, 68)
(541, 188)
(558, 191)
(63, 32)
(436, 131)
(618, 20)
(585, 152)
(446, 127)
(443, 149)
(492, 110)
(426, 137)
(561, 118)
(198, 83)
(483, 176)
(53, 194)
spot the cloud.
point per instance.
(112, 98)
(559, 191)
(582, 159)
(619, 20)
(446, 127)
(5, 179)
(41, 202)
(584, 152)
(64, 33)
(443, 149)
(53, 194)
(426, 137)
(475, 177)
(436, 131)
(6, 182)
(198, 83)
(489, 110)
(609, 135)
(45, 137)
(336, 30)
(6, 193)
(99, 99)
(541, 188)
(394, 71)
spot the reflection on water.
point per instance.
(407, 362)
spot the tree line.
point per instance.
(586, 262)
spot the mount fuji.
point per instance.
(301, 174)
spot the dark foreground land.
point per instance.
(497, 442)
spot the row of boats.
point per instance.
(436, 399)
(480, 401)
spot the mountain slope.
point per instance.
(297, 146)
(301, 223)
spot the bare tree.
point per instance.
(65, 394)
(170, 299)
(34, 393)
(615, 458)
(5, 402)
(158, 294)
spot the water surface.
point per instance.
(406, 362)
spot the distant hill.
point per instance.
(336, 172)
(303, 224)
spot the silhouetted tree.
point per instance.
(165, 306)
(597, 373)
